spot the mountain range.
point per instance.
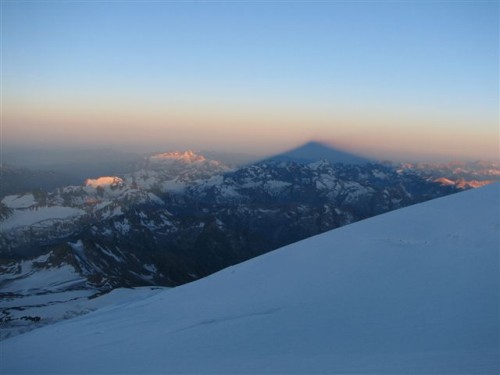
(178, 217)
(413, 291)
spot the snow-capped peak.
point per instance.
(185, 157)
(104, 181)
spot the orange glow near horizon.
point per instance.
(418, 80)
(259, 129)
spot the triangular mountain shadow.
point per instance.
(315, 151)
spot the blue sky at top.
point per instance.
(418, 66)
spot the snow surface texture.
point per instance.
(412, 291)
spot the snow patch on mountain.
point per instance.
(30, 278)
(20, 314)
(40, 216)
(19, 201)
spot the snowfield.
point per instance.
(19, 201)
(412, 291)
(48, 308)
(41, 215)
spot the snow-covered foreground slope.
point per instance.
(411, 291)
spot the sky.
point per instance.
(393, 79)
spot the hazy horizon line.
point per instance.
(11, 151)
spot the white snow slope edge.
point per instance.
(412, 291)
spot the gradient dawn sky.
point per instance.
(396, 79)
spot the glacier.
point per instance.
(415, 290)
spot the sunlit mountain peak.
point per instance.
(185, 157)
(104, 181)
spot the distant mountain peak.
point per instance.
(314, 151)
(187, 157)
(104, 181)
